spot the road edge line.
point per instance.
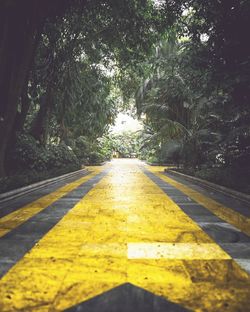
(219, 188)
(34, 186)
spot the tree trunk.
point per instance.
(25, 105)
(63, 131)
(19, 25)
(39, 128)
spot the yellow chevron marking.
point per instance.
(19, 216)
(225, 213)
(89, 252)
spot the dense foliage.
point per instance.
(121, 145)
(68, 67)
(196, 94)
(58, 71)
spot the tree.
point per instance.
(177, 112)
(122, 31)
(21, 25)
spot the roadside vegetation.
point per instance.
(68, 67)
(61, 63)
(195, 95)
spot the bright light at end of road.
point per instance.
(124, 123)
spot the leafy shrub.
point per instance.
(61, 155)
(81, 148)
(28, 155)
(153, 159)
(95, 158)
(30, 162)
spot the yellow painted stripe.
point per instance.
(183, 251)
(86, 253)
(16, 218)
(225, 213)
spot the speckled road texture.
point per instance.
(127, 237)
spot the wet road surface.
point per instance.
(126, 237)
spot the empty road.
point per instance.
(125, 237)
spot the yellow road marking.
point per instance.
(16, 218)
(225, 213)
(86, 253)
(182, 251)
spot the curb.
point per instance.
(32, 187)
(97, 164)
(213, 186)
(158, 164)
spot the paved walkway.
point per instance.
(127, 237)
